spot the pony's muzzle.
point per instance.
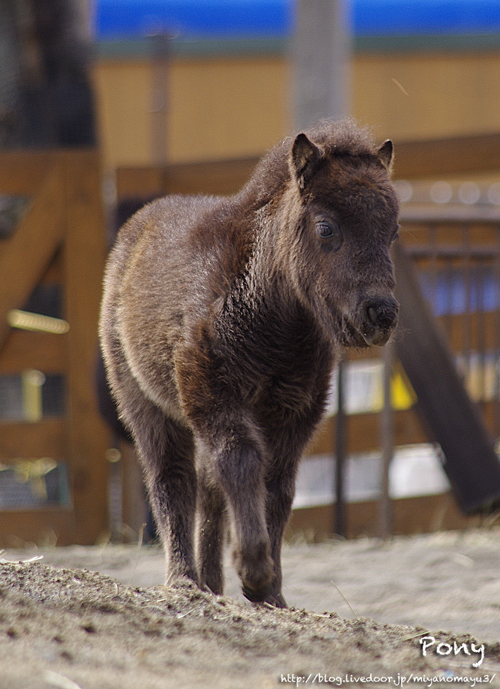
(379, 318)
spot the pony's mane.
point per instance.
(336, 138)
(344, 137)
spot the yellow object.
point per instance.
(402, 394)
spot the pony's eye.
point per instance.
(324, 229)
(330, 231)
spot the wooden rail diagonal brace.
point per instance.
(470, 463)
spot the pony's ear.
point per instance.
(385, 154)
(305, 157)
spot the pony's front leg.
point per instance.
(236, 458)
(287, 443)
(238, 466)
(280, 493)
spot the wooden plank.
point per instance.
(455, 155)
(46, 526)
(363, 431)
(29, 251)
(84, 257)
(420, 514)
(23, 440)
(140, 182)
(219, 177)
(439, 236)
(42, 351)
(453, 326)
(449, 213)
(471, 463)
(23, 172)
(422, 158)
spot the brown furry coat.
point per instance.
(222, 319)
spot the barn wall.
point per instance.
(239, 105)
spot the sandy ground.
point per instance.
(92, 618)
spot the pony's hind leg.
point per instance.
(165, 449)
(167, 454)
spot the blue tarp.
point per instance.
(274, 18)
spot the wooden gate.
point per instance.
(56, 247)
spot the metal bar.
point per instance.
(449, 282)
(450, 251)
(481, 335)
(496, 419)
(466, 322)
(340, 526)
(387, 443)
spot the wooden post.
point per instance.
(45, 215)
(159, 97)
(84, 256)
(321, 54)
(135, 508)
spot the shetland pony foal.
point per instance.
(222, 319)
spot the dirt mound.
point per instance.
(72, 628)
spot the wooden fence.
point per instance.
(58, 242)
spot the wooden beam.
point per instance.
(23, 440)
(26, 255)
(84, 257)
(137, 182)
(22, 172)
(43, 351)
(420, 514)
(437, 157)
(363, 433)
(219, 177)
(470, 460)
(414, 159)
(42, 527)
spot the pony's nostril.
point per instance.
(372, 315)
(382, 313)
